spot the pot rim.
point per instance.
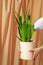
(28, 41)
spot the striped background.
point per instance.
(9, 44)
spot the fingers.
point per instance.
(32, 50)
(34, 53)
(33, 56)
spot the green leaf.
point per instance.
(28, 19)
(17, 20)
(28, 32)
(20, 19)
(19, 29)
(24, 31)
(23, 15)
(19, 26)
(16, 17)
(32, 29)
(18, 38)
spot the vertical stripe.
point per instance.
(0, 32)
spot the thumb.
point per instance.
(32, 50)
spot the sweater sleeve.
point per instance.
(38, 25)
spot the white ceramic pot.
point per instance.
(25, 48)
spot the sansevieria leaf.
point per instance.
(24, 31)
(32, 29)
(23, 15)
(28, 20)
(25, 27)
(28, 32)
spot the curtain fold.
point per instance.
(9, 44)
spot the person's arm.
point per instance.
(41, 48)
(38, 25)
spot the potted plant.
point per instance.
(26, 30)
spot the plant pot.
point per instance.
(25, 48)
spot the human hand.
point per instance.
(36, 52)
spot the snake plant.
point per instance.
(25, 28)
